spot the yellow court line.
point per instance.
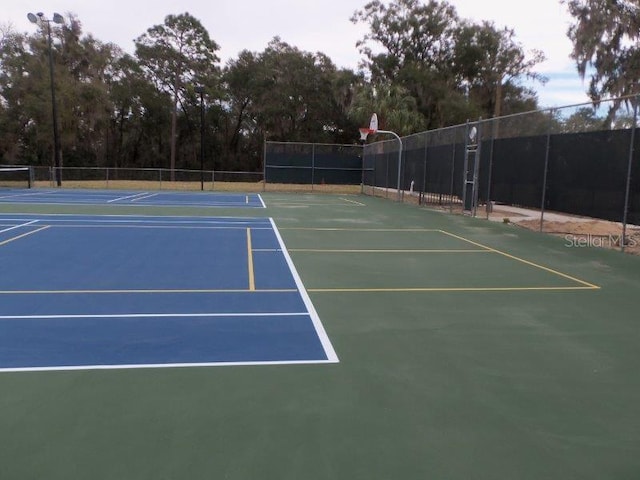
(252, 279)
(444, 289)
(23, 235)
(522, 260)
(353, 201)
(166, 291)
(319, 250)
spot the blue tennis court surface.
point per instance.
(140, 291)
(120, 197)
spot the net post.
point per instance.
(16, 177)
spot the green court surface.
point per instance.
(468, 350)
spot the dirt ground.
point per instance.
(577, 231)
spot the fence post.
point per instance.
(362, 174)
(546, 170)
(453, 171)
(628, 187)
(424, 176)
(494, 132)
(264, 166)
(386, 180)
(313, 164)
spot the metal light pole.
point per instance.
(199, 89)
(39, 18)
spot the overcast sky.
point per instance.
(313, 26)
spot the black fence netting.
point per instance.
(381, 166)
(544, 161)
(315, 164)
(512, 171)
(633, 204)
(587, 173)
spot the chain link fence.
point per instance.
(149, 178)
(287, 163)
(556, 166)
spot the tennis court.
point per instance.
(131, 292)
(128, 198)
(467, 349)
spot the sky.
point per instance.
(314, 26)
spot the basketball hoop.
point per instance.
(364, 133)
(373, 128)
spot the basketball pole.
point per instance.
(373, 128)
(389, 132)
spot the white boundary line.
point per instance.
(11, 196)
(139, 220)
(256, 363)
(332, 357)
(144, 198)
(19, 226)
(128, 197)
(75, 199)
(182, 218)
(152, 315)
(360, 204)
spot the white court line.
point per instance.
(178, 227)
(19, 226)
(127, 197)
(262, 201)
(315, 318)
(144, 198)
(165, 365)
(139, 221)
(152, 315)
(28, 194)
(353, 201)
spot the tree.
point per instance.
(395, 107)
(175, 55)
(489, 61)
(409, 33)
(452, 68)
(84, 64)
(15, 65)
(584, 119)
(141, 116)
(287, 94)
(417, 50)
(605, 35)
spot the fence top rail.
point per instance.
(519, 114)
(312, 143)
(147, 169)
